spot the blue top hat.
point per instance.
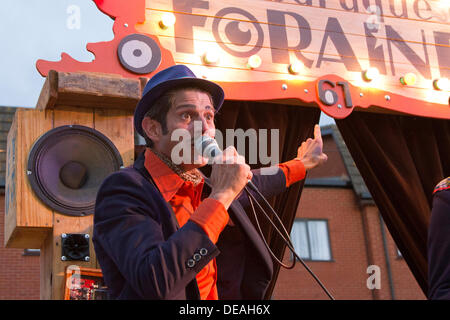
(170, 78)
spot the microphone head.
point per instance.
(207, 147)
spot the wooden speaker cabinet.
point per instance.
(101, 102)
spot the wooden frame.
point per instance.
(66, 99)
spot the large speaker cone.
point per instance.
(67, 165)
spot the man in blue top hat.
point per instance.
(164, 231)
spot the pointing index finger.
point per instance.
(317, 133)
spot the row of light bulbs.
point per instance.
(409, 79)
(211, 57)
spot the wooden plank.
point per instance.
(424, 11)
(89, 90)
(27, 237)
(24, 209)
(118, 126)
(261, 14)
(69, 115)
(97, 90)
(49, 92)
(315, 57)
(353, 31)
(46, 263)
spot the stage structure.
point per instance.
(57, 156)
(380, 68)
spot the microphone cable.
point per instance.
(287, 241)
(207, 145)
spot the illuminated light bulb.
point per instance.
(254, 61)
(441, 84)
(408, 79)
(211, 57)
(167, 20)
(371, 74)
(295, 68)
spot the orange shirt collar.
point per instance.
(167, 181)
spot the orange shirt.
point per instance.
(209, 214)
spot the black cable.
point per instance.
(251, 199)
(287, 241)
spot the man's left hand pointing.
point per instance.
(310, 151)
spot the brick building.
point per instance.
(337, 230)
(345, 234)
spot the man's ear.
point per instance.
(152, 129)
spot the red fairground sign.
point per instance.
(391, 55)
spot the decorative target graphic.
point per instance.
(139, 53)
(234, 35)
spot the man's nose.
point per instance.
(201, 125)
(205, 125)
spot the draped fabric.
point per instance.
(295, 124)
(401, 159)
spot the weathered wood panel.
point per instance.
(89, 90)
(26, 220)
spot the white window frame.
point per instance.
(296, 241)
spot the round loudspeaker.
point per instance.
(139, 54)
(67, 165)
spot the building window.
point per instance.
(311, 239)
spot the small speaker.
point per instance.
(67, 165)
(75, 246)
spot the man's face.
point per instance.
(191, 111)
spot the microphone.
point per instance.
(209, 148)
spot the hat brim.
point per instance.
(156, 92)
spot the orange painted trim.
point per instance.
(307, 92)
